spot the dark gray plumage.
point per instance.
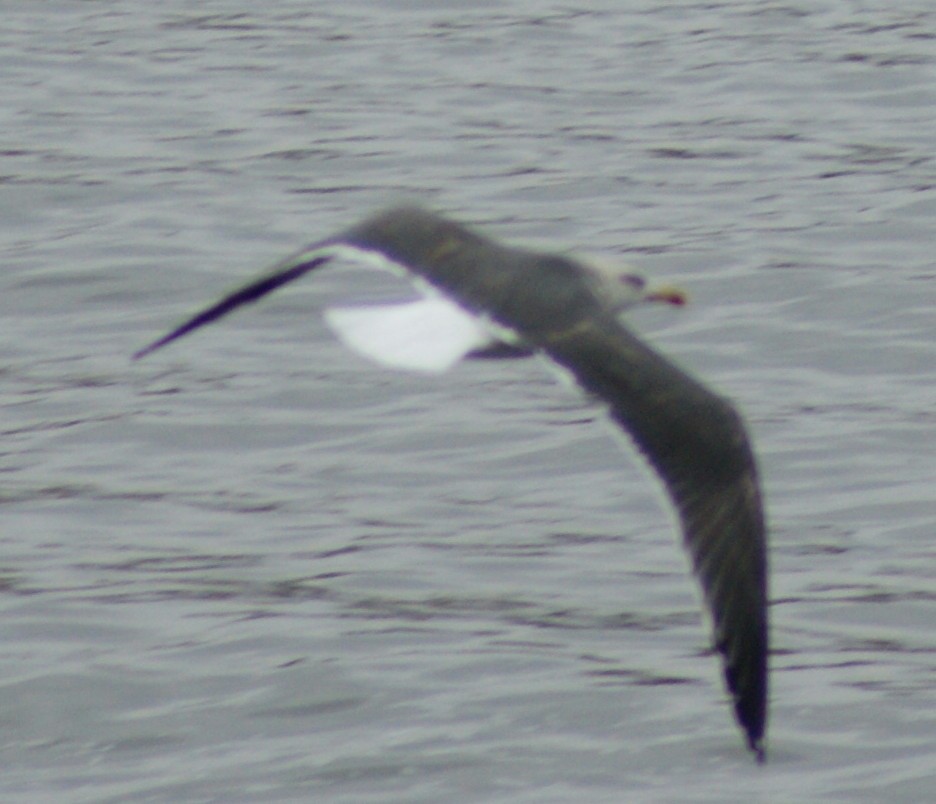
(568, 310)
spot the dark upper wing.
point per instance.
(693, 438)
(696, 442)
(283, 272)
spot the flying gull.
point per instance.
(481, 295)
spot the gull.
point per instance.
(481, 297)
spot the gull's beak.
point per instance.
(668, 295)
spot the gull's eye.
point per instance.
(636, 282)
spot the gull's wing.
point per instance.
(693, 438)
(281, 273)
(429, 335)
(697, 443)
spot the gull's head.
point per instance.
(621, 289)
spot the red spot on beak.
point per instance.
(668, 295)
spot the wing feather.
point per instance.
(697, 443)
(693, 438)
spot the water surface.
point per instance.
(256, 568)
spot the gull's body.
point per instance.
(482, 293)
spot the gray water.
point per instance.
(257, 568)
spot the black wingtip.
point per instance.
(141, 353)
(760, 752)
(199, 320)
(753, 725)
(249, 293)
